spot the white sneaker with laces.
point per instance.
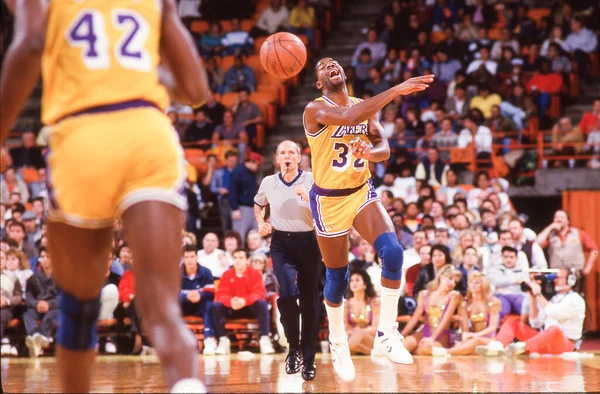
(342, 362)
(5, 349)
(188, 386)
(210, 346)
(224, 346)
(32, 344)
(266, 346)
(437, 351)
(516, 349)
(492, 349)
(110, 348)
(390, 343)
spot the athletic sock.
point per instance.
(337, 333)
(389, 307)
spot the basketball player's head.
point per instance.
(330, 75)
(288, 156)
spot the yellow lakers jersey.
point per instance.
(100, 52)
(333, 165)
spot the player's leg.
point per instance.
(153, 231)
(374, 224)
(79, 268)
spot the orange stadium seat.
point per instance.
(437, 36)
(537, 14)
(226, 25)
(247, 24)
(254, 63)
(494, 34)
(199, 27)
(267, 79)
(226, 62)
(267, 105)
(272, 90)
(197, 158)
(258, 43)
(228, 99)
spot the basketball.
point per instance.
(283, 55)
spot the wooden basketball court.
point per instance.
(256, 373)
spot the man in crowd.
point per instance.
(242, 189)
(219, 186)
(210, 256)
(507, 279)
(533, 251)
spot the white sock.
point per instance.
(389, 307)
(337, 333)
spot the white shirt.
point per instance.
(490, 65)
(270, 20)
(483, 139)
(213, 262)
(420, 173)
(565, 311)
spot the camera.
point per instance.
(546, 281)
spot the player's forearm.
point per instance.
(380, 152)
(20, 75)
(367, 108)
(258, 215)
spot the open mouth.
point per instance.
(334, 72)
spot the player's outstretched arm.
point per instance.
(22, 65)
(319, 112)
(182, 57)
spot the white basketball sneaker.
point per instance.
(210, 346)
(389, 342)
(342, 362)
(188, 386)
(492, 349)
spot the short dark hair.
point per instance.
(190, 248)
(9, 241)
(230, 153)
(40, 199)
(233, 234)
(365, 51)
(43, 249)
(19, 224)
(470, 247)
(509, 249)
(241, 250)
(18, 207)
(244, 89)
(444, 249)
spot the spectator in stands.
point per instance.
(507, 279)
(544, 84)
(425, 142)
(39, 187)
(591, 120)
(238, 76)
(451, 187)
(17, 232)
(556, 37)
(560, 63)
(220, 185)
(231, 242)
(27, 155)
(483, 62)
(581, 43)
(247, 113)
(391, 67)
(200, 130)
(411, 273)
(231, 133)
(241, 293)
(432, 169)
(567, 245)
(256, 244)
(196, 295)
(445, 139)
(391, 34)
(458, 104)
(127, 298)
(210, 255)
(376, 84)
(480, 134)
(366, 256)
(437, 304)
(273, 19)
(361, 309)
(522, 26)
(109, 300)
(17, 265)
(33, 234)
(466, 31)
(563, 136)
(362, 68)
(216, 75)
(484, 101)
(504, 239)
(237, 42)
(41, 297)
(11, 296)
(242, 189)
(213, 110)
(445, 12)
(211, 43)
(259, 262)
(439, 256)
(533, 251)
(378, 49)
(560, 318)
(12, 184)
(444, 67)
(302, 21)
(124, 257)
(504, 41)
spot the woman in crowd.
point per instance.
(12, 296)
(361, 310)
(127, 297)
(440, 256)
(438, 303)
(18, 265)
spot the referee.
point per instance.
(295, 254)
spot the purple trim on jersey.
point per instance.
(334, 192)
(112, 107)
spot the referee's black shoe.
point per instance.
(293, 361)
(309, 371)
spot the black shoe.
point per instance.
(293, 361)
(309, 371)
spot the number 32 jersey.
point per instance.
(100, 52)
(333, 165)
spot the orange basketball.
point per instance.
(283, 55)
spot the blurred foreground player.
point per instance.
(113, 153)
(344, 134)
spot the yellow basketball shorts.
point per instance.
(333, 211)
(100, 164)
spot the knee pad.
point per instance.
(392, 256)
(77, 323)
(336, 284)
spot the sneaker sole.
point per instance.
(386, 354)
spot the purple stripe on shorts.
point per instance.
(314, 209)
(113, 107)
(334, 192)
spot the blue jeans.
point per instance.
(201, 309)
(515, 113)
(259, 309)
(510, 304)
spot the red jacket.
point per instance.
(546, 83)
(250, 287)
(126, 287)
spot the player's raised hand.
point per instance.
(360, 149)
(416, 84)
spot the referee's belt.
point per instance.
(294, 234)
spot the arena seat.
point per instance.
(494, 34)
(228, 99)
(226, 62)
(437, 36)
(197, 158)
(199, 26)
(254, 62)
(537, 14)
(258, 43)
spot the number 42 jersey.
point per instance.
(100, 52)
(334, 167)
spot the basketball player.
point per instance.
(344, 134)
(112, 153)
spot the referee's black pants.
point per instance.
(297, 264)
